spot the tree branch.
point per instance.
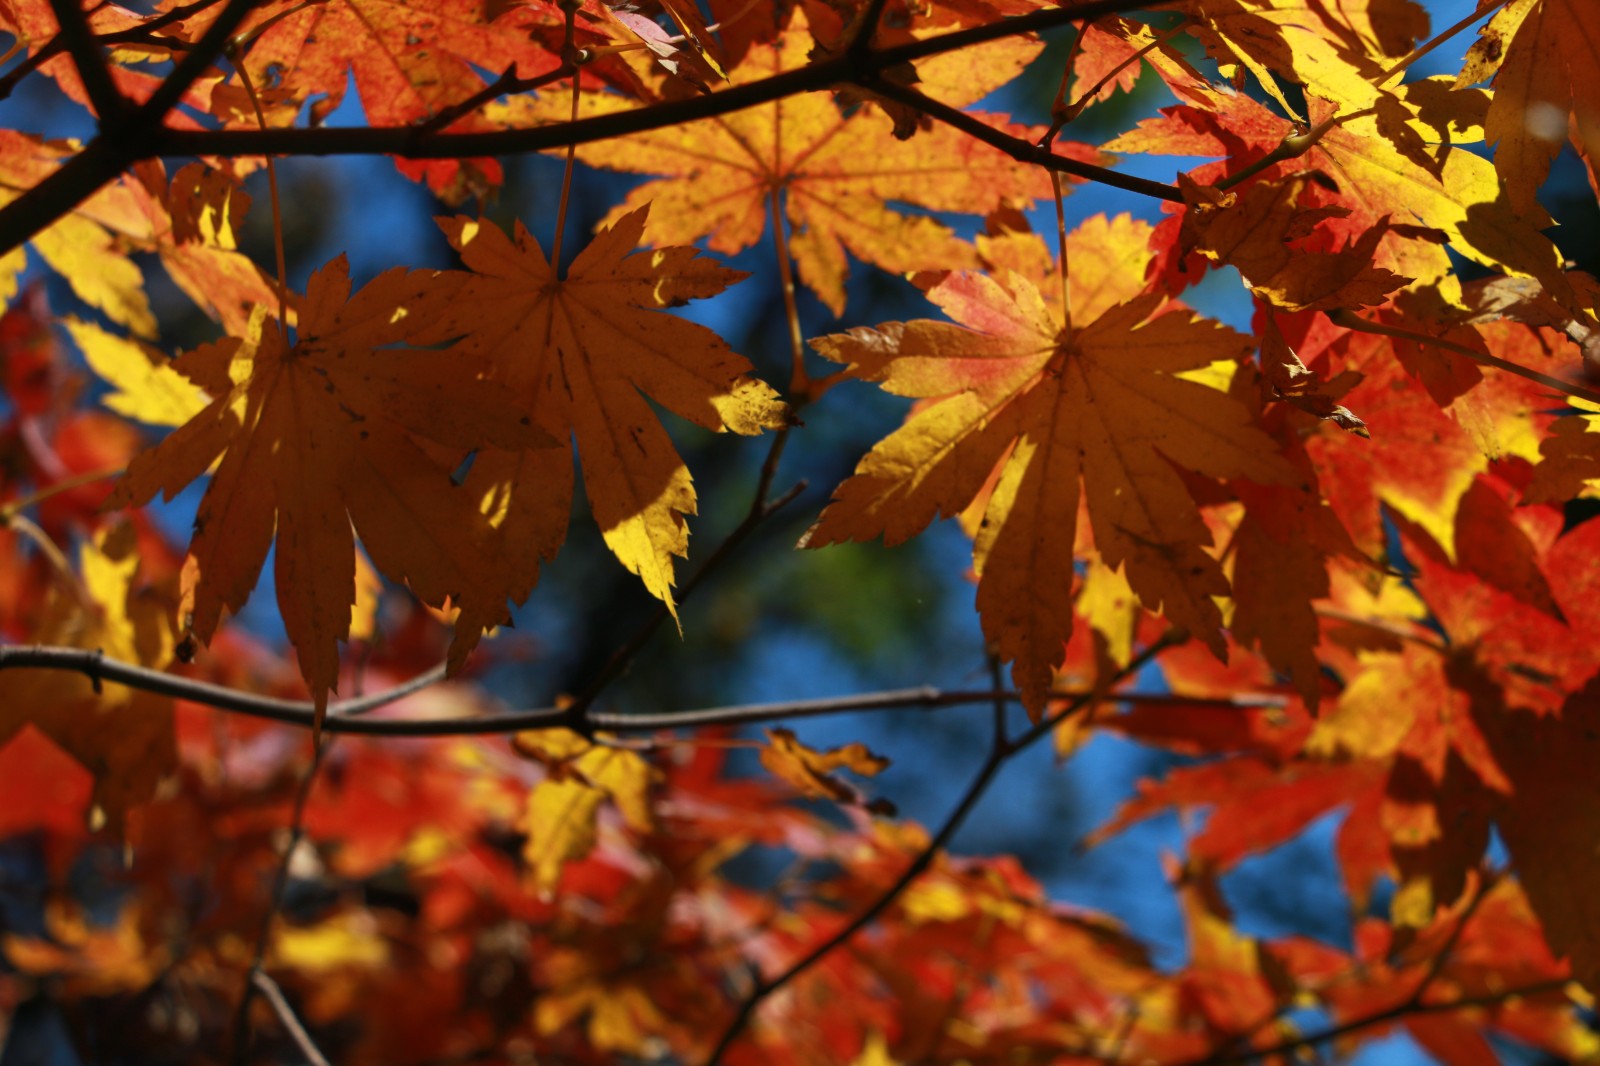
(125, 137)
(143, 137)
(80, 43)
(1388, 1014)
(344, 715)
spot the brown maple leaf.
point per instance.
(577, 351)
(1050, 406)
(1545, 58)
(336, 429)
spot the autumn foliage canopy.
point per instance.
(1341, 567)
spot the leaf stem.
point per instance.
(245, 80)
(566, 184)
(799, 377)
(273, 994)
(11, 508)
(1061, 252)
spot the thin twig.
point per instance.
(766, 987)
(576, 713)
(1299, 143)
(140, 34)
(291, 1022)
(1001, 751)
(207, 50)
(507, 84)
(280, 887)
(1380, 1017)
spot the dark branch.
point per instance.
(1019, 149)
(87, 56)
(344, 716)
(206, 51)
(144, 137)
(1397, 1012)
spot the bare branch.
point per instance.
(256, 976)
(291, 1022)
(343, 716)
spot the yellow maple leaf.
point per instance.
(327, 432)
(577, 351)
(1101, 404)
(563, 809)
(87, 245)
(147, 388)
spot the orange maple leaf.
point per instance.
(838, 172)
(1050, 406)
(812, 771)
(577, 351)
(326, 432)
(408, 59)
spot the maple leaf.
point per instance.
(408, 59)
(837, 172)
(1334, 52)
(1255, 232)
(1426, 180)
(85, 246)
(148, 389)
(317, 435)
(1545, 59)
(811, 771)
(1050, 406)
(577, 351)
(1550, 817)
